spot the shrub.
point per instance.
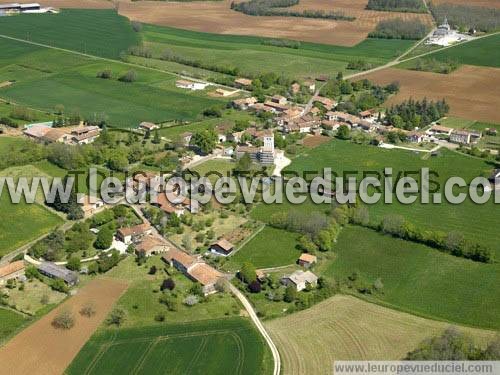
(290, 294)
(105, 74)
(191, 300)
(116, 317)
(64, 320)
(160, 317)
(168, 284)
(88, 310)
(254, 287)
(130, 76)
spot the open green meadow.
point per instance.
(419, 279)
(45, 78)
(225, 346)
(252, 57)
(475, 221)
(96, 32)
(271, 247)
(16, 229)
(482, 52)
(10, 321)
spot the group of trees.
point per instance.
(71, 208)
(274, 8)
(436, 66)
(319, 231)
(454, 345)
(398, 28)
(359, 65)
(411, 113)
(465, 17)
(281, 43)
(453, 243)
(414, 6)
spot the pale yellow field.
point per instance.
(347, 328)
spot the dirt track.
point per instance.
(471, 91)
(41, 349)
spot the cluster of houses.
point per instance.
(77, 135)
(445, 36)
(459, 136)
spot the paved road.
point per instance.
(260, 327)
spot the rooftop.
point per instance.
(180, 257)
(135, 230)
(204, 274)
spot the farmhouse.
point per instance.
(222, 247)
(307, 260)
(90, 207)
(206, 276)
(54, 271)
(299, 279)
(131, 234)
(179, 259)
(244, 104)
(243, 82)
(302, 124)
(279, 99)
(11, 271)
(310, 84)
(416, 137)
(148, 126)
(186, 138)
(190, 85)
(326, 102)
(151, 245)
(439, 130)
(461, 137)
(85, 134)
(264, 155)
(276, 106)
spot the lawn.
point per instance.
(419, 279)
(96, 32)
(230, 346)
(252, 57)
(271, 247)
(10, 321)
(45, 78)
(475, 221)
(141, 301)
(482, 52)
(22, 223)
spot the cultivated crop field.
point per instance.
(10, 321)
(227, 346)
(217, 17)
(251, 56)
(419, 279)
(346, 328)
(471, 91)
(478, 3)
(45, 78)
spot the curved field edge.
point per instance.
(229, 345)
(351, 329)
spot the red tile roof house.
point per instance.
(151, 245)
(307, 260)
(131, 234)
(148, 126)
(222, 247)
(194, 269)
(11, 271)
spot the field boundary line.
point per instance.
(248, 239)
(115, 61)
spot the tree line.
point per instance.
(399, 28)
(413, 6)
(414, 113)
(268, 8)
(466, 17)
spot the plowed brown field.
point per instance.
(42, 349)
(478, 3)
(217, 17)
(473, 92)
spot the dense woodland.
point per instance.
(271, 8)
(412, 114)
(467, 17)
(414, 6)
(398, 28)
(436, 66)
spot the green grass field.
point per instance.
(96, 32)
(22, 223)
(271, 247)
(252, 57)
(226, 346)
(475, 221)
(10, 321)
(420, 279)
(45, 78)
(482, 52)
